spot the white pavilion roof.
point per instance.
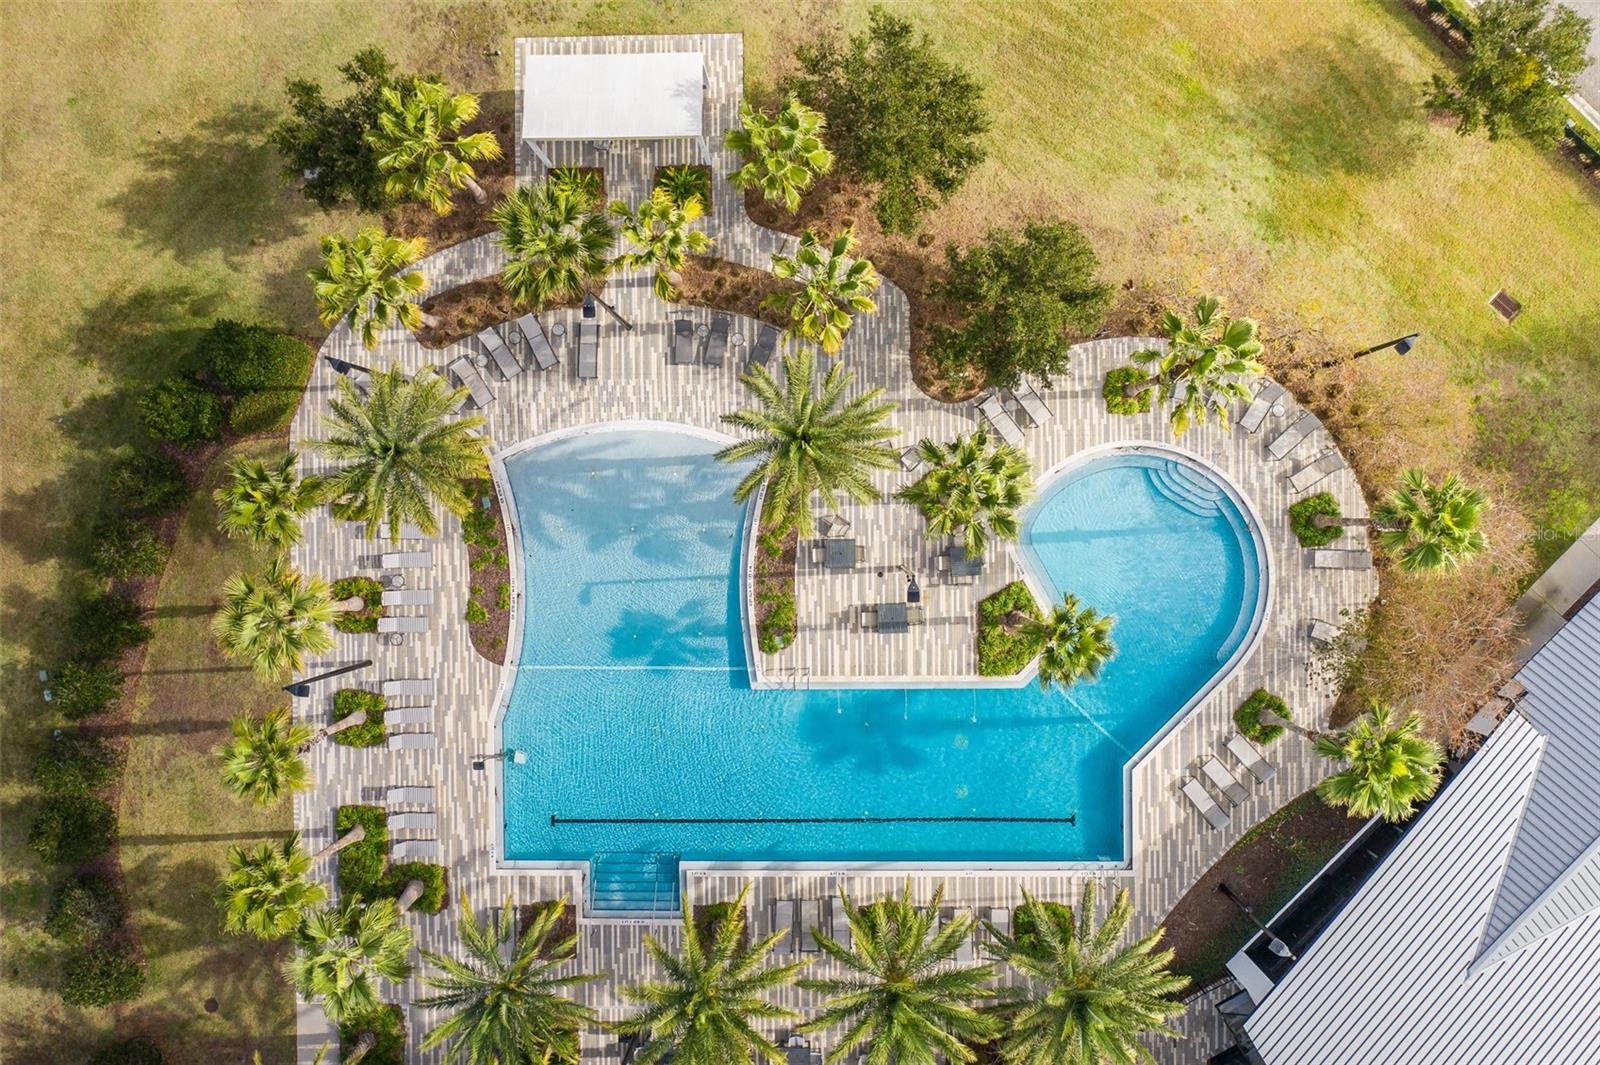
(639, 96)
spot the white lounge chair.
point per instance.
(408, 715)
(405, 559)
(476, 387)
(1261, 406)
(408, 597)
(783, 921)
(1283, 445)
(418, 686)
(1202, 801)
(839, 929)
(1224, 781)
(410, 795)
(994, 410)
(406, 623)
(588, 350)
(506, 362)
(810, 921)
(1251, 758)
(416, 850)
(412, 741)
(414, 821)
(1031, 404)
(964, 951)
(1330, 558)
(544, 356)
(1312, 472)
(408, 531)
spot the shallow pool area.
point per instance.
(642, 734)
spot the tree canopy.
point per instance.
(324, 144)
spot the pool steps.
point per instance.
(1191, 491)
(633, 883)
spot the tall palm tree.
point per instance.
(808, 443)
(262, 502)
(1388, 768)
(557, 245)
(783, 154)
(275, 618)
(265, 891)
(399, 450)
(262, 761)
(1074, 642)
(1214, 359)
(833, 288)
(340, 951)
(420, 146)
(898, 997)
(508, 1010)
(702, 1013)
(1431, 527)
(364, 280)
(971, 489)
(1090, 998)
(660, 229)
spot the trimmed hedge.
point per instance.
(364, 867)
(371, 593)
(135, 1051)
(1301, 513)
(127, 547)
(268, 411)
(1248, 716)
(73, 764)
(146, 483)
(86, 907)
(388, 1025)
(105, 625)
(1000, 653)
(69, 829)
(370, 734)
(251, 358)
(100, 976)
(1120, 378)
(82, 689)
(180, 411)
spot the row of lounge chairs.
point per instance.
(993, 408)
(409, 714)
(1223, 780)
(540, 351)
(810, 912)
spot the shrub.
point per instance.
(147, 483)
(476, 613)
(388, 1025)
(434, 886)
(708, 917)
(371, 593)
(268, 411)
(1116, 402)
(127, 547)
(250, 358)
(502, 596)
(776, 630)
(100, 976)
(351, 700)
(182, 412)
(83, 689)
(73, 763)
(135, 1051)
(86, 907)
(1023, 927)
(682, 182)
(364, 868)
(1248, 716)
(105, 625)
(72, 828)
(1002, 653)
(581, 182)
(1301, 513)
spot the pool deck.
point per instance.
(1172, 846)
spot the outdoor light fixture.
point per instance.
(1274, 944)
(1401, 345)
(302, 688)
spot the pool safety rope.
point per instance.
(1070, 819)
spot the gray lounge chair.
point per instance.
(1331, 558)
(683, 342)
(1251, 758)
(1224, 781)
(506, 362)
(911, 458)
(994, 410)
(1207, 807)
(839, 931)
(476, 387)
(412, 741)
(408, 531)
(766, 343)
(405, 559)
(408, 597)
(588, 351)
(406, 623)
(408, 715)
(419, 686)
(1313, 472)
(410, 795)
(810, 921)
(1000, 918)
(1324, 633)
(416, 850)
(544, 356)
(1261, 406)
(716, 342)
(783, 921)
(414, 821)
(1293, 435)
(964, 948)
(1032, 405)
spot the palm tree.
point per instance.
(556, 243)
(364, 281)
(1074, 642)
(1388, 768)
(420, 147)
(339, 951)
(265, 891)
(971, 489)
(833, 289)
(1090, 998)
(1431, 527)
(262, 503)
(808, 443)
(276, 618)
(659, 228)
(262, 761)
(702, 1012)
(1214, 360)
(783, 154)
(512, 1010)
(898, 996)
(400, 449)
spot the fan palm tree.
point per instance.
(1074, 642)
(502, 1010)
(1388, 768)
(809, 443)
(833, 289)
(265, 891)
(1431, 527)
(1214, 360)
(262, 761)
(972, 489)
(1090, 998)
(420, 146)
(556, 243)
(262, 502)
(702, 1013)
(783, 154)
(364, 281)
(659, 229)
(275, 618)
(399, 450)
(898, 997)
(339, 952)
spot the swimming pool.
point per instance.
(633, 706)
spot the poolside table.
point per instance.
(839, 553)
(963, 566)
(892, 617)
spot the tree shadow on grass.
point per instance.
(143, 336)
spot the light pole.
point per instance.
(590, 299)
(1401, 345)
(302, 688)
(1274, 944)
(343, 368)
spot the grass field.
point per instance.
(1270, 152)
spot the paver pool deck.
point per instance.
(1171, 845)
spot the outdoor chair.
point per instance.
(409, 795)
(911, 458)
(1000, 919)
(414, 821)
(994, 410)
(682, 353)
(783, 921)
(1312, 472)
(544, 356)
(1283, 445)
(1031, 404)
(393, 688)
(404, 623)
(405, 559)
(1261, 406)
(766, 343)
(408, 715)
(1331, 558)
(1204, 804)
(1250, 758)
(810, 921)
(468, 375)
(716, 346)
(416, 850)
(408, 597)
(503, 359)
(1224, 781)
(412, 741)
(408, 531)
(588, 351)
(839, 931)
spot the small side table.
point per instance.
(737, 340)
(702, 330)
(559, 331)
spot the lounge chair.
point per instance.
(416, 850)
(911, 458)
(588, 351)
(407, 623)
(408, 597)
(1331, 558)
(1324, 633)
(412, 741)
(410, 795)
(1285, 442)
(1032, 405)
(783, 921)
(393, 688)
(716, 347)
(766, 343)
(1000, 919)
(810, 921)
(408, 715)
(1224, 781)
(994, 410)
(839, 931)
(414, 821)
(468, 375)
(682, 352)
(408, 531)
(405, 559)
(1261, 406)
(1207, 807)
(947, 916)
(1312, 472)
(1251, 758)
(503, 359)
(544, 356)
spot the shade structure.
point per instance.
(637, 96)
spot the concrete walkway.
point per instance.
(1551, 599)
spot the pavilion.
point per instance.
(608, 97)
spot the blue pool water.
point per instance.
(633, 704)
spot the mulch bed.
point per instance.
(468, 218)
(489, 637)
(566, 927)
(466, 310)
(717, 283)
(775, 575)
